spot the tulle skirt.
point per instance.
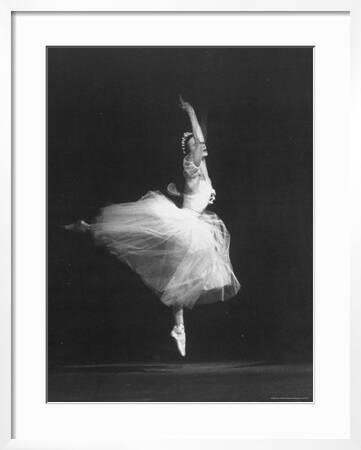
(180, 254)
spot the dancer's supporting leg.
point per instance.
(178, 332)
(178, 315)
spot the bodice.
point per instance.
(198, 201)
(205, 194)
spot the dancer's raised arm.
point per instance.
(199, 147)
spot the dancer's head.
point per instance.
(189, 144)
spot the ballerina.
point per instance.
(182, 254)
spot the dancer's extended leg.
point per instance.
(178, 332)
(80, 226)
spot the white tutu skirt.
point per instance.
(180, 254)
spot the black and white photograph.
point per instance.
(180, 224)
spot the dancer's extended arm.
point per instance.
(196, 130)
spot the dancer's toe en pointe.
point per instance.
(79, 226)
(178, 333)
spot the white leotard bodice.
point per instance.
(205, 194)
(199, 200)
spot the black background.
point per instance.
(113, 134)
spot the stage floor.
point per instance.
(182, 382)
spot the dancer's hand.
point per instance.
(186, 106)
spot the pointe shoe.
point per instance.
(79, 226)
(179, 335)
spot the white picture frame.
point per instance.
(8, 280)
